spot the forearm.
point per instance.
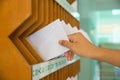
(108, 55)
(77, 44)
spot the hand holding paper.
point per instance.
(45, 41)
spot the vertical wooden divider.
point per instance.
(70, 70)
(51, 7)
(46, 16)
(58, 12)
(54, 10)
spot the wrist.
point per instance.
(97, 53)
(94, 52)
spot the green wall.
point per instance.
(87, 18)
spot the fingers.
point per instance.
(66, 43)
(74, 37)
(69, 55)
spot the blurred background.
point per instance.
(101, 20)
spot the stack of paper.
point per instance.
(45, 41)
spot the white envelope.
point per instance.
(75, 30)
(65, 26)
(45, 40)
(68, 28)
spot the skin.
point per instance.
(79, 45)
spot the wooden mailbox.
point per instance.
(18, 60)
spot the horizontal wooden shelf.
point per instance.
(43, 69)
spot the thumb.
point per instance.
(66, 43)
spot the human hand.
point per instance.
(69, 55)
(79, 45)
